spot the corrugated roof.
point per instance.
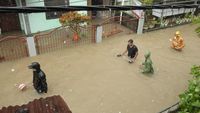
(54, 104)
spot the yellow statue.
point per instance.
(177, 41)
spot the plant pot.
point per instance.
(145, 27)
(157, 25)
(162, 25)
(151, 26)
(76, 37)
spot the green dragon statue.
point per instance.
(148, 64)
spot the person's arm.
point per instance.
(119, 55)
(135, 56)
(124, 52)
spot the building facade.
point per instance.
(30, 23)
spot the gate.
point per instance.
(62, 37)
(12, 48)
(114, 25)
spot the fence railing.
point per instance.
(113, 25)
(63, 37)
(12, 48)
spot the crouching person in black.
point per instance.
(132, 51)
(39, 78)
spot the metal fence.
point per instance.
(12, 48)
(63, 37)
(116, 24)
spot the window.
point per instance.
(54, 15)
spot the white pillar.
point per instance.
(140, 23)
(121, 14)
(140, 26)
(31, 46)
(99, 33)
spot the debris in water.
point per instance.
(70, 90)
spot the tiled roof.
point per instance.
(54, 104)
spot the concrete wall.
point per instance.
(38, 21)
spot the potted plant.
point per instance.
(73, 20)
(153, 22)
(162, 24)
(196, 20)
(178, 20)
(157, 22)
(188, 17)
(166, 22)
(145, 27)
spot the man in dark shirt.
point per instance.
(132, 51)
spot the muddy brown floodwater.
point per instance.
(92, 79)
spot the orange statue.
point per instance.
(177, 41)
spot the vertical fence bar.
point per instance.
(12, 48)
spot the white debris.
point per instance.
(120, 112)
(12, 70)
(64, 42)
(70, 90)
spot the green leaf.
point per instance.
(196, 104)
(197, 89)
(190, 99)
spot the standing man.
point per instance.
(132, 51)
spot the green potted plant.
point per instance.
(158, 22)
(145, 26)
(178, 20)
(196, 20)
(154, 22)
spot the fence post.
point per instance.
(31, 46)
(141, 23)
(99, 33)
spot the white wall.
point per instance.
(38, 21)
(78, 3)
